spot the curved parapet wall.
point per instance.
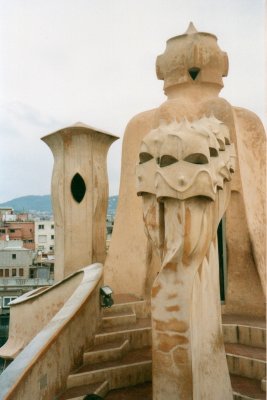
(41, 369)
(30, 313)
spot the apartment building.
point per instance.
(18, 275)
(5, 211)
(17, 227)
(18, 230)
(44, 236)
(15, 260)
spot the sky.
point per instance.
(93, 61)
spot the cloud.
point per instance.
(25, 162)
(93, 61)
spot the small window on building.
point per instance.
(6, 273)
(12, 230)
(51, 248)
(21, 272)
(14, 256)
(2, 231)
(1, 273)
(42, 238)
(7, 300)
(40, 226)
(52, 236)
(14, 272)
(52, 227)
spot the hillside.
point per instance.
(43, 204)
(30, 203)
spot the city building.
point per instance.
(15, 260)
(44, 236)
(201, 164)
(16, 226)
(4, 211)
(18, 275)
(18, 230)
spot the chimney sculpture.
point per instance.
(79, 196)
(184, 179)
(186, 162)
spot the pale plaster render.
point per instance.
(177, 260)
(80, 226)
(41, 369)
(132, 262)
(183, 176)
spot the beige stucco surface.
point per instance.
(176, 263)
(246, 220)
(30, 313)
(80, 227)
(131, 262)
(40, 371)
(128, 260)
(184, 176)
(251, 140)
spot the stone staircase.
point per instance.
(245, 345)
(121, 355)
(119, 365)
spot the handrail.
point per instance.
(40, 371)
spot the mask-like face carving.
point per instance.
(184, 160)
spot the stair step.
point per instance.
(118, 319)
(142, 391)
(80, 391)
(246, 361)
(118, 309)
(140, 323)
(132, 357)
(259, 322)
(244, 334)
(138, 334)
(246, 388)
(135, 367)
(256, 353)
(106, 352)
(243, 389)
(105, 346)
(142, 308)
(122, 298)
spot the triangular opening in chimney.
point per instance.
(193, 72)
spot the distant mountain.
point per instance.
(30, 203)
(43, 204)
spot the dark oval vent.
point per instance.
(78, 187)
(144, 157)
(167, 160)
(197, 158)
